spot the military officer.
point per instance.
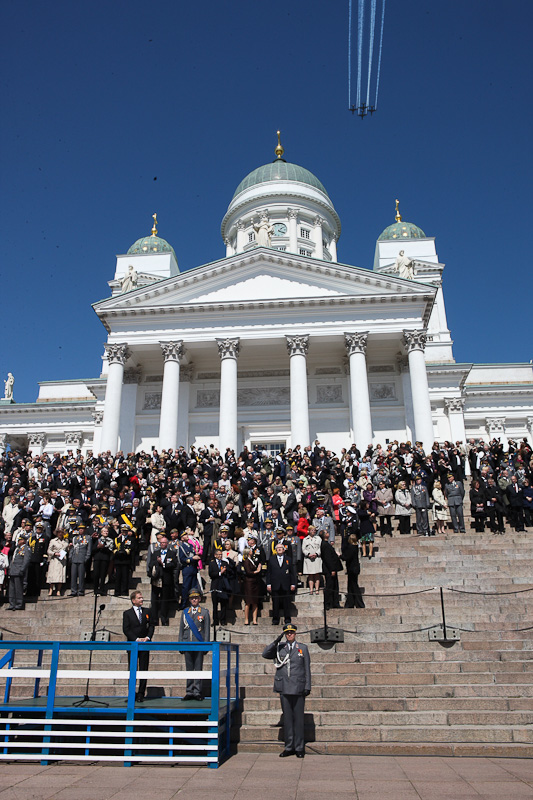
(123, 560)
(18, 572)
(79, 554)
(38, 544)
(293, 683)
(194, 627)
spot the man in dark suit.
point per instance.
(516, 504)
(281, 582)
(138, 626)
(293, 683)
(162, 564)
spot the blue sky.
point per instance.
(114, 110)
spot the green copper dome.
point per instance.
(279, 170)
(150, 244)
(402, 230)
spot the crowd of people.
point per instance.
(241, 527)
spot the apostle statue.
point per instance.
(129, 281)
(263, 232)
(404, 266)
(8, 391)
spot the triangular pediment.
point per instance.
(263, 275)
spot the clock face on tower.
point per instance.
(279, 229)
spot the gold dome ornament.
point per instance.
(398, 216)
(154, 226)
(279, 149)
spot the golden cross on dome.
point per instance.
(398, 215)
(154, 227)
(279, 149)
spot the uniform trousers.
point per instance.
(293, 706)
(16, 592)
(422, 520)
(122, 578)
(189, 582)
(194, 661)
(458, 519)
(77, 578)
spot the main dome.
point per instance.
(279, 170)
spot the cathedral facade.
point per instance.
(277, 343)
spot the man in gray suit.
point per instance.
(195, 626)
(293, 682)
(455, 492)
(420, 503)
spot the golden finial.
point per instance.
(279, 149)
(154, 226)
(398, 215)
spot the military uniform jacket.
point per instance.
(20, 560)
(293, 668)
(80, 552)
(202, 620)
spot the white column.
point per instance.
(293, 230)
(333, 248)
(228, 350)
(229, 248)
(415, 341)
(360, 418)
(319, 243)
(168, 420)
(117, 355)
(241, 236)
(529, 423)
(454, 408)
(496, 430)
(298, 347)
(3, 442)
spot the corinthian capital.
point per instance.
(356, 342)
(414, 340)
(228, 348)
(297, 345)
(117, 353)
(454, 404)
(172, 351)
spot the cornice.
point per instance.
(29, 408)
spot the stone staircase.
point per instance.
(387, 689)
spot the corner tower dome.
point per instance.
(401, 230)
(284, 207)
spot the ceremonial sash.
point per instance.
(192, 625)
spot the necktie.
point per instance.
(139, 614)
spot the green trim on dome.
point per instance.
(402, 230)
(150, 244)
(279, 170)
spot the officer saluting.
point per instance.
(293, 683)
(194, 627)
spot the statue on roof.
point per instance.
(263, 232)
(129, 281)
(8, 384)
(404, 266)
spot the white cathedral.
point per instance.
(277, 343)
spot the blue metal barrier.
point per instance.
(162, 729)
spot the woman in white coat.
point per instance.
(404, 507)
(312, 562)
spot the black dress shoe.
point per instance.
(286, 753)
(165, 623)
(187, 697)
(275, 622)
(300, 754)
(139, 698)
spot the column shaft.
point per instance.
(297, 347)
(168, 420)
(319, 243)
(227, 429)
(293, 231)
(361, 418)
(415, 341)
(117, 356)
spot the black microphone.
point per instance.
(102, 607)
